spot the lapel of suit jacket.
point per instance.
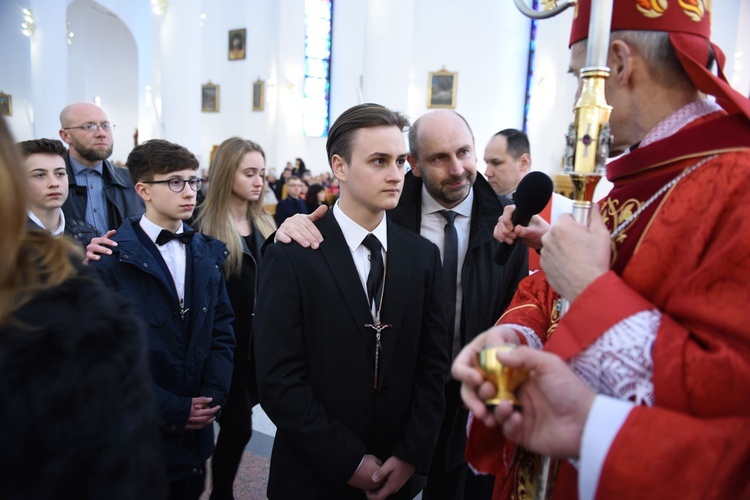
(341, 266)
(398, 274)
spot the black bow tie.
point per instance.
(167, 236)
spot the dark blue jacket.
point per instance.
(189, 357)
(288, 207)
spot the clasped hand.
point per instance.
(555, 402)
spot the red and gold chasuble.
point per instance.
(687, 254)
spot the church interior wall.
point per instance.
(148, 69)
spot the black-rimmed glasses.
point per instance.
(93, 127)
(177, 184)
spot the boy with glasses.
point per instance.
(172, 275)
(100, 193)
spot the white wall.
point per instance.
(389, 46)
(103, 63)
(15, 72)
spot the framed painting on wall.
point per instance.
(237, 44)
(210, 98)
(6, 104)
(259, 94)
(441, 89)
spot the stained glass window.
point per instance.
(317, 87)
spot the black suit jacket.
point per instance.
(487, 287)
(316, 361)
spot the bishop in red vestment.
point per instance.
(667, 324)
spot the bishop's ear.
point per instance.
(620, 61)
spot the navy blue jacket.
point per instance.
(189, 357)
(288, 207)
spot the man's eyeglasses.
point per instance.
(177, 184)
(93, 127)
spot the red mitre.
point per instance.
(688, 23)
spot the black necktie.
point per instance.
(375, 278)
(450, 272)
(167, 236)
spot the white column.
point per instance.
(49, 66)
(180, 74)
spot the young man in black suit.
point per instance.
(443, 178)
(354, 379)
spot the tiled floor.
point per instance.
(252, 476)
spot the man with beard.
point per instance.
(444, 179)
(100, 193)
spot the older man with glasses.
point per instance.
(100, 193)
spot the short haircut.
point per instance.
(41, 146)
(158, 156)
(414, 134)
(518, 142)
(660, 57)
(366, 115)
(293, 178)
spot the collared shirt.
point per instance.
(354, 234)
(433, 228)
(57, 231)
(96, 204)
(173, 253)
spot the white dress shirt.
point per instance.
(354, 234)
(173, 253)
(56, 231)
(433, 228)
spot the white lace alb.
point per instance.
(620, 363)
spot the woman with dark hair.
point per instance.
(299, 167)
(78, 413)
(316, 196)
(233, 212)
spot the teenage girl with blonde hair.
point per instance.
(233, 212)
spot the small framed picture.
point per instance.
(6, 104)
(237, 44)
(210, 98)
(441, 89)
(259, 94)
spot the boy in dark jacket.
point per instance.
(44, 161)
(172, 275)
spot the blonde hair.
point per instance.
(214, 219)
(30, 261)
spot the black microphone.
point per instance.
(532, 195)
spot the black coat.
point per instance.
(487, 287)
(122, 200)
(316, 362)
(79, 230)
(78, 416)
